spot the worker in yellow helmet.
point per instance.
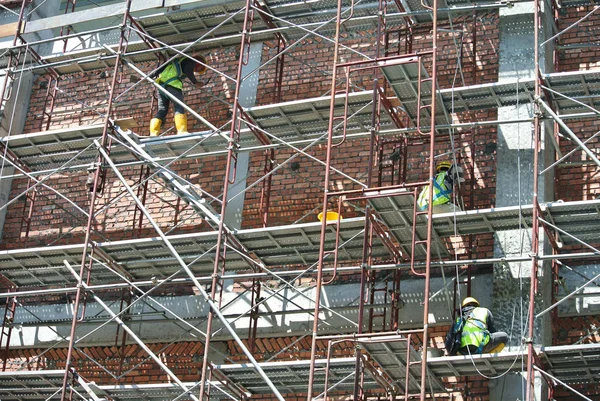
(477, 334)
(170, 77)
(443, 184)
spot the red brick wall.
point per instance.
(576, 181)
(297, 185)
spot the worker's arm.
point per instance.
(187, 66)
(490, 322)
(156, 73)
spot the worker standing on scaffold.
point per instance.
(442, 188)
(171, 77)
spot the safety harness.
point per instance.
(178, 74)
(481, 325)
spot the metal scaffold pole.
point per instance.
(220, 261)
(93, 197)
(434, 95)
(535, 223)
(319, 278)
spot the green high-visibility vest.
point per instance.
(441, 194)
(475, 331)
(172, 75)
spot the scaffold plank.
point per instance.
(292, 376)
(45, 150)
(144, 259)
(299, 120)
(31, 385)
(47, 384)
(580, 219)
(396, 210)
(576, 87)
(309, 118)
(290, 245)
(573, 364)
(487, 96)
(392, 358)
(404, 80)
(475, 365)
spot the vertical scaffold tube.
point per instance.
(93, 204)
(319, 278)
(430, 201)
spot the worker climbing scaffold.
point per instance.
(443, 185)
(170, 77)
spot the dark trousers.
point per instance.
(496, 339)
(164, 102)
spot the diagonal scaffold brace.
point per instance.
(211, 303)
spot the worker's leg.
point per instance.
(497, 342)
(180, 117)
(161, 113)
(448, 207)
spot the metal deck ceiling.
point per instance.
(404, 81)
(391, 357)
(582, 87)
(42, 151)
(146, 258)
(309, 118)
(396, 212)
(305, 119)
(572, 364)
(580, 219)
(488, 96)
(465, 365)
(32, 385)
(292, 376)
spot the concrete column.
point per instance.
(248, 88)
(514, 186)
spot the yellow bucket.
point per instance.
(331, 216)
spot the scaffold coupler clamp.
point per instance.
(91, 170)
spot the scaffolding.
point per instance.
(390, 100)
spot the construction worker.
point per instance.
(171, 77)
(478, 334)
(442, 188)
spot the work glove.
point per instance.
(456, 173)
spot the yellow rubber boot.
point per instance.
(181, 123)
(497, 348)
(155, 124)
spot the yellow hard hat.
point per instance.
(469, 301)
(200, 68)
(445, 165)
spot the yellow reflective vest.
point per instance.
(441, 194)
(172, 75)
(475, 331)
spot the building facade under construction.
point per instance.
(276, 249)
